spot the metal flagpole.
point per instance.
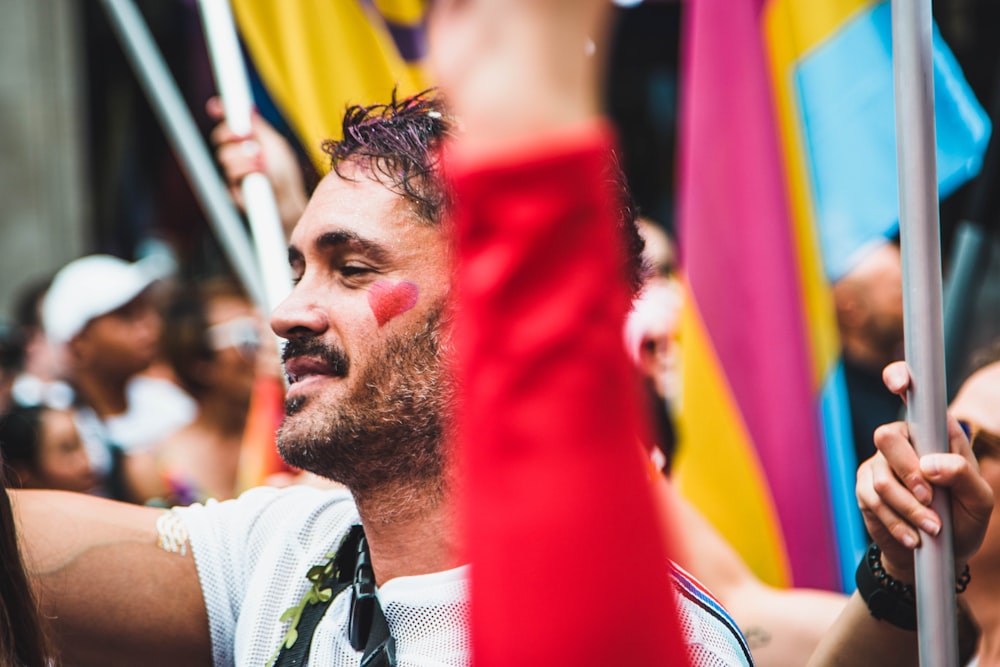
(922, 307)
(187, 143)
(234, 89)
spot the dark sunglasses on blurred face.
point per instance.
(984, 443)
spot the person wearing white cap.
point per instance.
(98, 315)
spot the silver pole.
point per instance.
(922, 307)
(187, 143)
(234, 89)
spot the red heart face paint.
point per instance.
(388, 299)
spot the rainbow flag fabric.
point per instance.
(316, 57)
(788, 171)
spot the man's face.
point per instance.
(368, 391)
(123, 342)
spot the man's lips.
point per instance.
(302, 368)
(308, 358)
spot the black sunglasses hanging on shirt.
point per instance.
(367, 628)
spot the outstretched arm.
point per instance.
(113, 595)
(783, 626)
(553, 477)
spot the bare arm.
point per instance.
(859, 639)
(113, 595)
(782, 626)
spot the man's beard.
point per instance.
(389, 430)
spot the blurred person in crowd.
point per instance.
(977, 406)
(211, 340)
(782, 626)
(544, 277)
(651, 336)
(23, 641)
(38, 380)
(43, 450)
(869, 305)
(105, 332)
(654, 321)
(11, 361)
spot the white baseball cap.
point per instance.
(89, 287)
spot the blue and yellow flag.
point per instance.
(788, 171)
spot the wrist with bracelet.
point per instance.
(888, 599)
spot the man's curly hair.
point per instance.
(399, 144)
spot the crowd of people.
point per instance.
(453, 348)
(132, 385)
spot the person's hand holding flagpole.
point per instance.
(234, 89)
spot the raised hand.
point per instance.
(518, 68)
(264, 151)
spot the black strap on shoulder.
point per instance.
(298, 654)
(367, 627)
(380, 649)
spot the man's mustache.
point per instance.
(312, 347)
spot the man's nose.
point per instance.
(299, 314)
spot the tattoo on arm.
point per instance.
(757, 637)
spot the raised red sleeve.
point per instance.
(568, 565)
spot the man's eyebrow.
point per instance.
(335, 240)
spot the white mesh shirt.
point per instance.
(710, 634)
(253, 554)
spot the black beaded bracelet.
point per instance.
(888, 599)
